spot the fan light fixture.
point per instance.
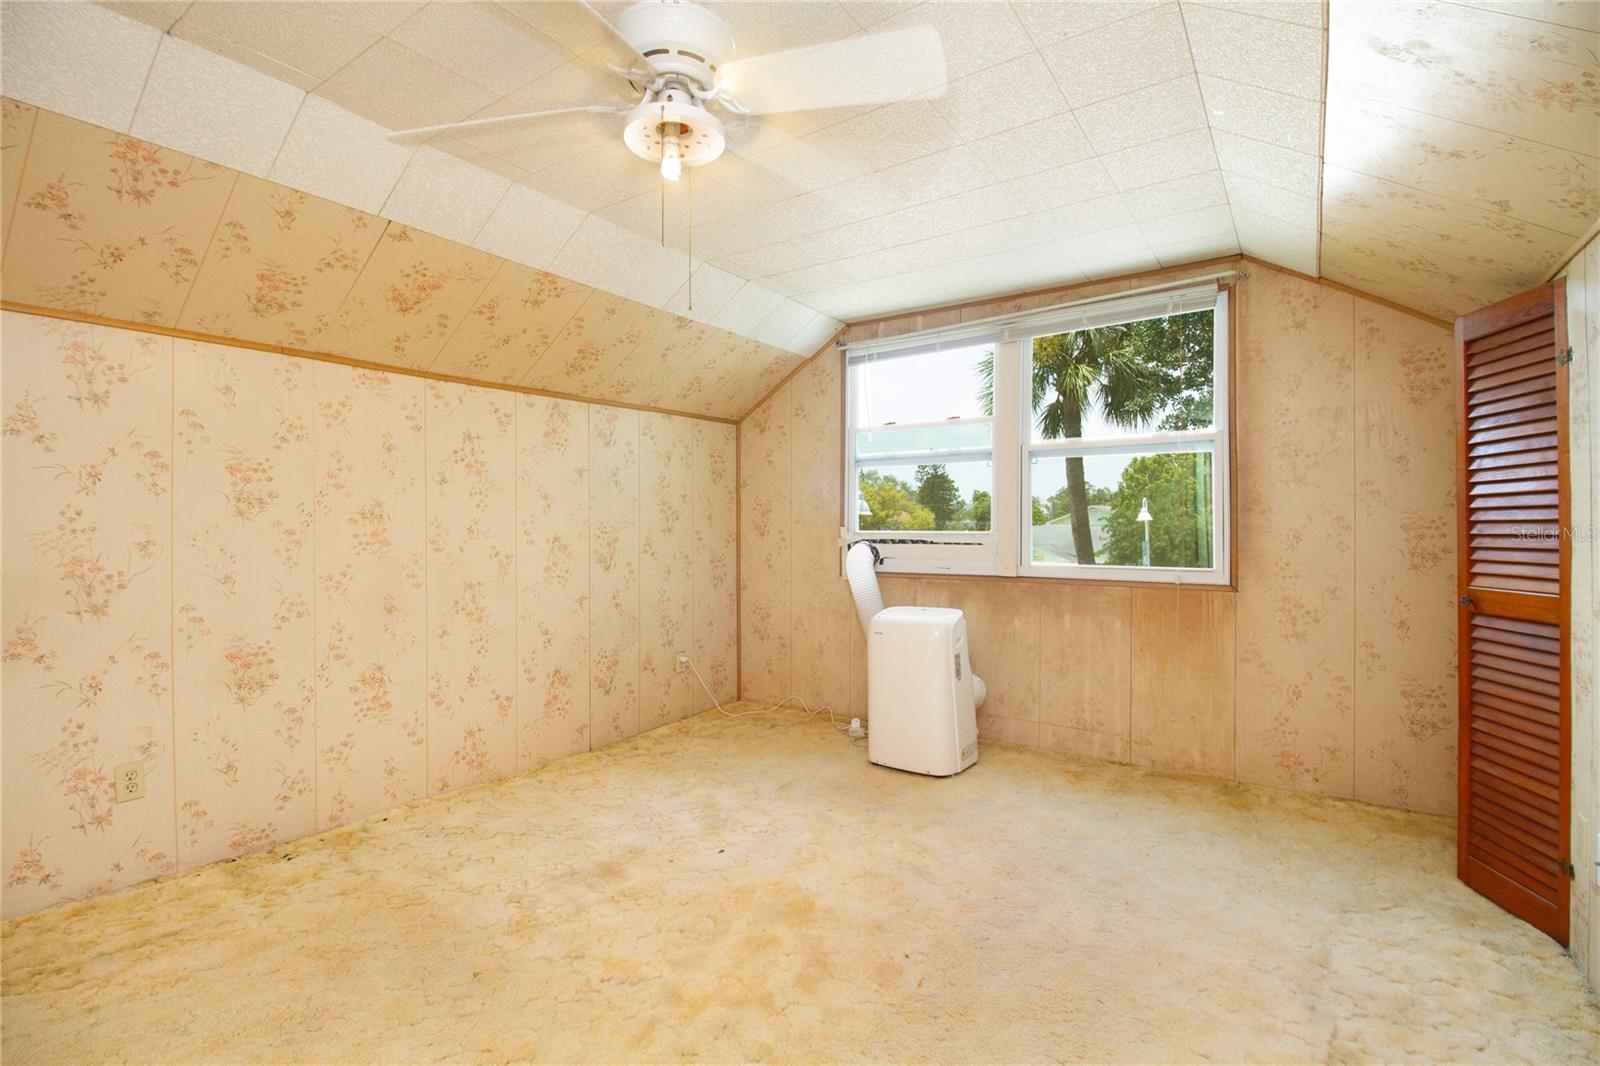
(671, 128)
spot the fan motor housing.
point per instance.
(678, 38)
(674, 112)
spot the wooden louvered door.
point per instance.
(1514, 578)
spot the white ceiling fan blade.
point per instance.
(879, 68)
(424, 132)
(620, 55)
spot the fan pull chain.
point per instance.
(690, 178)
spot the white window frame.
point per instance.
(1004, 550)
(1219, 573)
(923, 551)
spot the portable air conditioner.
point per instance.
(920, 708)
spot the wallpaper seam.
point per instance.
(194, 282)
(461, 323)
(316, 634)
(9, 210)
(172, 585)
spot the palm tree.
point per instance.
(1130, 373)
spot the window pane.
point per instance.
(1116, 381)
(927, 496)
(929, 387)
(1088, 509)
(947, 436)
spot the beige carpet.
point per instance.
(754, 889)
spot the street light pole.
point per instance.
(1144, 516)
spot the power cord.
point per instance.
(854, 728)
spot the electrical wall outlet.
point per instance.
(683, 660)
(130, 781)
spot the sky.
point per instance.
(918, 389)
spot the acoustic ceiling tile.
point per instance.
(1036, 146)
(746, 308)
(302, 44)
(809, 163)
(1150, 114)
(1197, 248)
(657, 273)
(1296, 12)
(402, 89)
(1275, 241)
(158, 13)
(1013, 93)
(1291, 122)
(1263, 52)
(1049, 22)
(1294, 208)
(211, 107)
(905, 185)
(1189, 225)
(1134, 53)
(1173, 197)
(1287, 169)
(972, 37)
(1163, 160)
(703, 296)
(810, 337)
(483, 42)
(75, 59)
(340, 156)
(1069, 184)
(909, 129)
(599, 253)
(763, 27)
(782, 322)
(444, 195)
(1091, 216)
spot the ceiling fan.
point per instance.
(680, 59)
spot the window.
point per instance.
(1088, 440)
(921, 442)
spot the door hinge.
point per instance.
(1564, 356)
(1566, 868)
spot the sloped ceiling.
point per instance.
(104, 224)
(1062, 142)
(1461, 147)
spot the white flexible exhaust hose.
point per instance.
(860, 564)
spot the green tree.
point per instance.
(1135, 375)
(979, 509)
(1178, 487)
(937, 491)
(892, 504)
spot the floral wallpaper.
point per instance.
(104, 224)
(1330, 668)
(295, 593)
(244, 640)
(1462, 148)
